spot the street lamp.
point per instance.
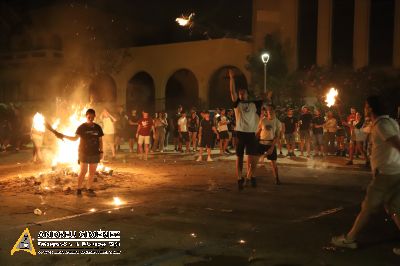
(265, 59)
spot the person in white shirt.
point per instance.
(223, 122)
(247, 115)
(269, 132)
(109, 132)
(384, 189)
(183, 131)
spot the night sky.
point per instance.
(150, 21)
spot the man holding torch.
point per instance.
(90, 149)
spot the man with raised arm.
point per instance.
(247, 114)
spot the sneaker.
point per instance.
(79, 192)
(343, 242)
(240, 183)
(228, 151)
(349, 163)
(253, 182)
(396, 251)
(209, 159)
(91, 193)
(199, 159)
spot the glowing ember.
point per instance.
(92, 210)
(193, 235)
(331, 97)
(185, 21)
(241, 241)
(38, 122)
(117, 201)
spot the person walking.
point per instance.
(317, 125)
(222, 128)
(132, 129)
(108, 121)
(145, 128)
(269, 132)
(330, 128)
(384, 189)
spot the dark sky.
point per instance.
(156, 18)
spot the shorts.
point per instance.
(290, 139)
(90, 159)
(108, 139)
(132, 133)
(246, 141)
(305, 134)
(184, 136)
(206, 141)
(340, 132)
(384, 190)
(223, 135)
(144, 140)
(264, 148)
(318, 139)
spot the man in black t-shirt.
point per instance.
(90, 150)
(289, 129)
(206, 131)
(317, 125)
(305, 127)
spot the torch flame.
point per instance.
(38, 122)
(185, 20)
(331, 97)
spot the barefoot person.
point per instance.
(90, 150)
(247, 115)
(384, 189)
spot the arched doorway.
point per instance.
(140, 93)
(219, 93)
(103, 89)
(182, 89)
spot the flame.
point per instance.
(67, 151)
(331, 97)
(38, 122)
(185, 20)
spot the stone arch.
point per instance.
(140, 92)
(182, 88)
(218, 90)
(103, 88)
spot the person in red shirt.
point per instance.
(145, 127)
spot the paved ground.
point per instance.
(179, 212)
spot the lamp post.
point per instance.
(265, 59)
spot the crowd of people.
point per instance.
(306, 132)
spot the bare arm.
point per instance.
(394, 142)
(232, 85)
(72, 138)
